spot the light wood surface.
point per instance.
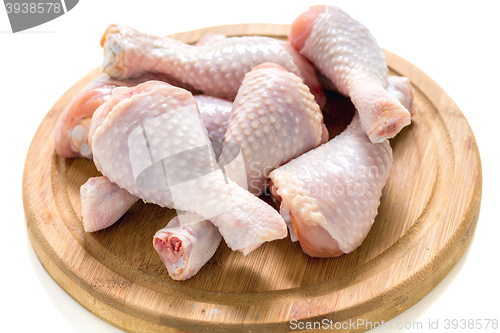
(428, 213)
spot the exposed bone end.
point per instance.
(114, 58)
(78, 137)
(174, 254)
(111, 29)
(387, 128)
(169, 247)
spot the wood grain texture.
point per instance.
(428, 213)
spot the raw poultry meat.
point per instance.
(214, 111)
(72, 127)
(216, 69)
(153, 144)
(103, 203)
(185, 249)
(274, 119)
(73, 124)
(331, 194)
(348, 54)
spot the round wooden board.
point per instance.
(428, 213)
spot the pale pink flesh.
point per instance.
(214, 112)
(401, 88)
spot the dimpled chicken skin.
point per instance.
(216, 68)
(153, 144)
(274, 119)
(73, 124)
(331, 194)
(103, 203)
(347, 53)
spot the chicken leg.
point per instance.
(347, 53)
(216, 68)
(331, 194)
(274, 119)
(153, 144)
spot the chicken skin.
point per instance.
(274, 119)
(153, 144)
(103, 203)
(215, 113)
(73, 125)
(348, 54)
(331, 194)
(216, 68)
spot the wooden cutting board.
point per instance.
(426, 219)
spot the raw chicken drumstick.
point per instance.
(185, 249)
(103, 202)
(274, 119)
(288, 123)
(73, 125)
(216, 69)
(153, 144)
(214, 111)
(347, 53)
(331, 194)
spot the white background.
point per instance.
(454, 42)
